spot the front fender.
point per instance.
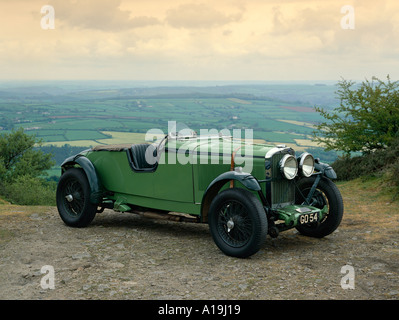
(88, 167)
(325, 169)
(214, 187)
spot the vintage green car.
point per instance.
(244, 191)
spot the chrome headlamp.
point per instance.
(289, 166)
(306, 164)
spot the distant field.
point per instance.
(76, 143)
(298, 123)
(239, 101)
(107, 116)
(114, 137)
(129, 137)
(306, 143)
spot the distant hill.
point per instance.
(87, 113)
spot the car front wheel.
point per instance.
(237, 222)
(325, 194)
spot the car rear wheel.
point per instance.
(237, 222)
(73, 199)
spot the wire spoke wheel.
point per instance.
(319, 200)
(73, 199)
(237, 222)
(325, 194)
(234, 225)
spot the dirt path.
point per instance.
(124, 256)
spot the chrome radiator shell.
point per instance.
(280, 191)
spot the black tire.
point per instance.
(237, 222)
(73, 199)
(326, 193)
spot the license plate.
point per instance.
(308, 218)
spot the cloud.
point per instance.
(199, 39)
(317, 29)
(104, 15)
(198, 16)
(305, 20)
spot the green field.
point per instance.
(276, 113)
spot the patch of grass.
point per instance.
(369, 208)
(5, 235)
(371, 193)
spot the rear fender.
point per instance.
(96, 189)
(246, 179)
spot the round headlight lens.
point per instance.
(306, 164)
(289, 166)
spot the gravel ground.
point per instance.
(125, 256)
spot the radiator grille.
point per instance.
(282, 190)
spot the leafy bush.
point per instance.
(18, 156)
(380, 163)
(393, 174)
(28, 190)
(20, 167)
(366, 120)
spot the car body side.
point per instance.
(172, 185)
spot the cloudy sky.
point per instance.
(261, 40)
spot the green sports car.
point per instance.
(244, 191)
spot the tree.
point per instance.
(366, 120)
(18, 158)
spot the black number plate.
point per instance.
(308, 218)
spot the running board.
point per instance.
(171, 216)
